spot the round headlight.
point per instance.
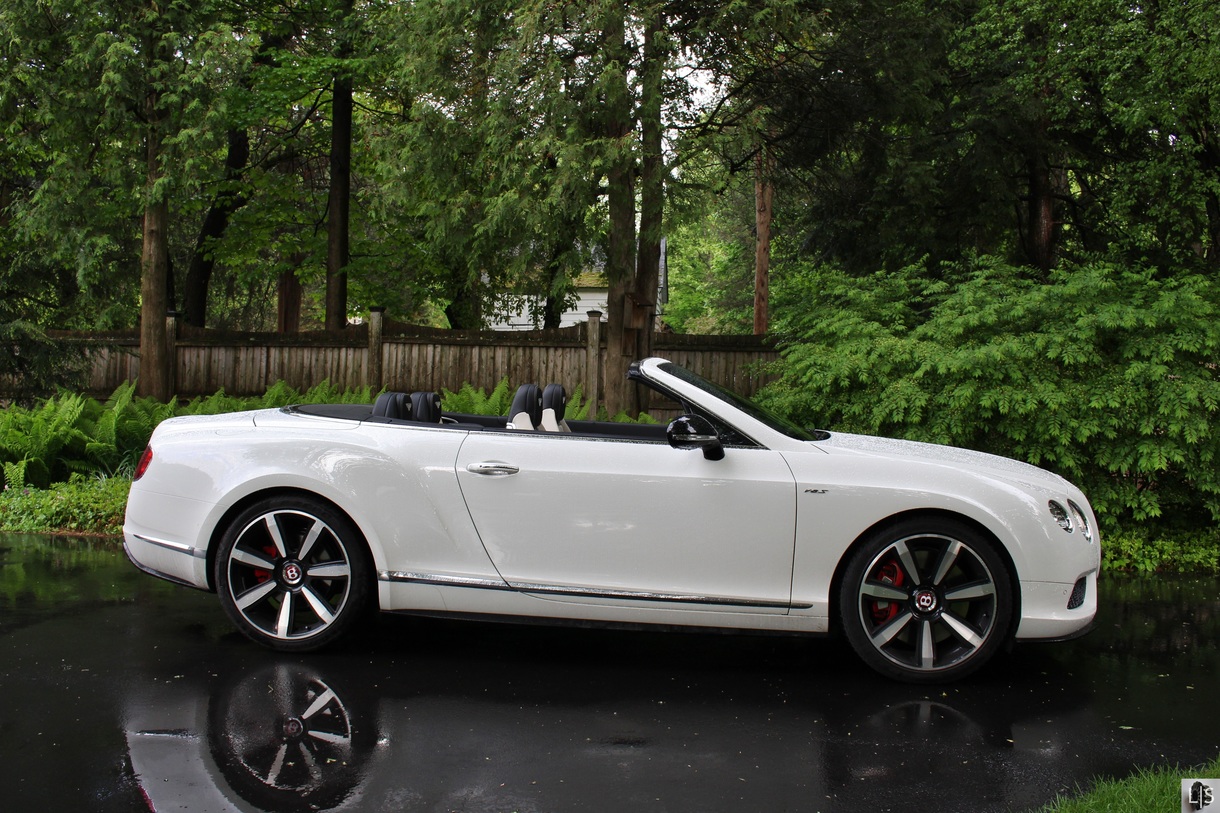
(1061, 516)
(1082, 520)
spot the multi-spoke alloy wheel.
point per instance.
(292, 574)
(284, 739)
(926, 601)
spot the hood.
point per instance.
(993, 465)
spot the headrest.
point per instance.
(553, 397)
(528, 400)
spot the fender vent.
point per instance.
(1077, 597)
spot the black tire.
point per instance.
(926, 600)
(293, 573)
(286, 738)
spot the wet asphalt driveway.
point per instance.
(122, 693)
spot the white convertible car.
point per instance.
(929, 559)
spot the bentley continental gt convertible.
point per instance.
(929, 559)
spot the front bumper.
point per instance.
(1055, 611)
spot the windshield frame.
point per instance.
(758, 413)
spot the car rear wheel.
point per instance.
(926, 601)
(293, 573)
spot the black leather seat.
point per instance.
(392, 405)
(526, 410)
(418, 406)
(426, 407)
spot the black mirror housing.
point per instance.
(695, 432)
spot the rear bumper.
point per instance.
(165, 559)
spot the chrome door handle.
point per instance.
(492, 469)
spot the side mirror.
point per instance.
(694, 432)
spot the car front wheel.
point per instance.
(293, 573)
(926, 601)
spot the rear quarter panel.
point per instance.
(395, 482)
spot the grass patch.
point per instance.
(1145, 791)
(82, 505)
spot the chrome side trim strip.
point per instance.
(643, 595)
(442, 580)
(176, 547)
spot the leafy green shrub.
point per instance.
(42, 444)
(90, 505)
(1134, 551)
(1103, 373)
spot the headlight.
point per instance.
(1061, 515)
(1082, 520)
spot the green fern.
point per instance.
(471, 401)
(14, 474)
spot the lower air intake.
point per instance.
(1077, 597)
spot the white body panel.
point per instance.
(584, 513)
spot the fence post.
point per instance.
(373, 376)
(171, 353)
(593, 362)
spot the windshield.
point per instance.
(753, 410)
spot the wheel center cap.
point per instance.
(925, 600)
(293, 574)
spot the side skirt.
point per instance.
(626, 626)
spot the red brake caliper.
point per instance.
(261, 575)
(888, 573)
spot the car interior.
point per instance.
(533, 409)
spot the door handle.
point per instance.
(492, 468)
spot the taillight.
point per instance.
(142, 466)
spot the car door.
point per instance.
(589, 519)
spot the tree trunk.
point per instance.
(215, 222)
(1211, 252)
(652, 190)
(764, 192)
(552, 306)
(338, 253)
(154, 302)
(288, 303)
(620, 242)
(1042, 238)
(1210, 159)
(229, 199)
(465, 309)
(154, 252)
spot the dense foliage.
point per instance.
(994, 222)
(1099, 371)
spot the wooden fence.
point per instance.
(397, 357)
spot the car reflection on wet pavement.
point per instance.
(123, 693)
